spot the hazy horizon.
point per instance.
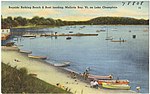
(75, 10)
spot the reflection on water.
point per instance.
(126, 60)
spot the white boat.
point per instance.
(37, 57)
(114, 29)
(24, 51)
(62, 64)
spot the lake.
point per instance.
(124, 60)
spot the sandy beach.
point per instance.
(51, 74)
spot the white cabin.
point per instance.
(5, 31)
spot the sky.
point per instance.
(89, 10)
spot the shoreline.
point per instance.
(53, 75)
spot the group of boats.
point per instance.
(109, 83)
(64, 64)
(110, 37)
(32, 56)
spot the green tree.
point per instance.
(21, 21)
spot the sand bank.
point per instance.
(52, 74)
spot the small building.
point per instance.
(5, 31)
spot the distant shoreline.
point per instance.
(47, 26)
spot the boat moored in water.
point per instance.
(115, 86)
(68, 38)
(118, 41)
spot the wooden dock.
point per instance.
(77, 34)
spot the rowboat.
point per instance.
(113, 81)
(24, 51)
(115, 86)
(62, 64)
(97, 77)
(37, 57)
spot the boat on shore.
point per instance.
(115, 86)
(24, 51)
(62, 64)
(113, 81)
(98, 77)
(37, 57)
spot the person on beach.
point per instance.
(85, 76)
(95, 84)
(87, 71)
(16, 60)
(91, 83)
(73, 75)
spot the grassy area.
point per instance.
(18, 81)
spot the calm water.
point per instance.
(128, 60)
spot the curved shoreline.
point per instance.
(47, 72)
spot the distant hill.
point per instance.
(36, 21)
(118, 20)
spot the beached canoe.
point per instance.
(115, 86)
(97, 77)
(62, 64)
(24, 51)
(113, 81)
(37, 57)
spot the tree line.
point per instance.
(11, 22)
